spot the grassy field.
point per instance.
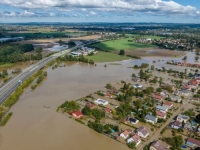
(107, 57)
(6, 65)
(120, 44)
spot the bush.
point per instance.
(5, 120)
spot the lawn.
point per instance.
(107, 57)
(6, 65)
(120, 44)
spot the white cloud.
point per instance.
(153, 7)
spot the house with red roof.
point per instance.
(135, 138)
(90, 105)
(108, 95)
(77, 114)
(168, 104)
(161, 114)
(107, 110)
(187, 87)
(193, 83)
(191, 142)
(157, 97)
(126, 133)
(176, 125)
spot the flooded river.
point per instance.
(35, 124)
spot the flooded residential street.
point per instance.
(35, 124)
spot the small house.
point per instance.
(162, 108)
(176, 125)
(142, 132)
(90, 105)
(182, 118)
(157, 97)
(150, 118)
(107, 110)
(126, 133)
(157, 145)
(176, 98)
(133, 120)
(185, 92)
(168, 104)
(135, 138)
(191, 142)
(77, 114)
(161, 114)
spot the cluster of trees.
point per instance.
(121, 52)
(123, 110)
(79, 58)
(69, 106)
(143, 65)
(197, 95)
(144, 75)
(16, 53)
(175, 141)
(3, 74)
(39, 80)
(131, 145)
(109, 127)
(96, 126)
(97, 113)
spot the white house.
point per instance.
(182, 118)
(185, 92)
(176, 98)
(151, 119)
(125, 134)
(101, 102)
(137, 86)
(142, 132)
(135, 138)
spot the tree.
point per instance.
(86, 110)
(159, 90)
(133, 75)
(71, 44)
(108, 86)
(185, 58)
(131, 145)
(196, 58)
(39, 49)
(152, 67)
(121, 52)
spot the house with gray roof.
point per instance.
(176, 98)
(150, 118)
(182, 118)
(163, 109)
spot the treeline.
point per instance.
(39, 80)
(6, 118)
(79, 58)
(16, 53)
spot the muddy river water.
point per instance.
(35, 124)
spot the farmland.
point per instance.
(120, 44)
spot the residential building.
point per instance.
(161, 114)
(101, 102)
(192, 142)
(90, 105)
(182, 118)
(168, 104)
(186, 87)
(185, 92)
(133, 120)
(197, 100)
(150, 118)
(142, 132)
(157, 145)
(176, 125)
(77, 114)
(137, 86)
(135, 138)
(126, 133)
(164, 93)
(108, 95)
(107, 110)
(188, 126)
(162, 108)
(176, 98)
(157, 97)
(194, 83)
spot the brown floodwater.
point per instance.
(35, 124)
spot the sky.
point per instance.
(160, 11)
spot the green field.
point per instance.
(120, 44)
(107, 57)
(6, 65)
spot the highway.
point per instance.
(12, 85)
